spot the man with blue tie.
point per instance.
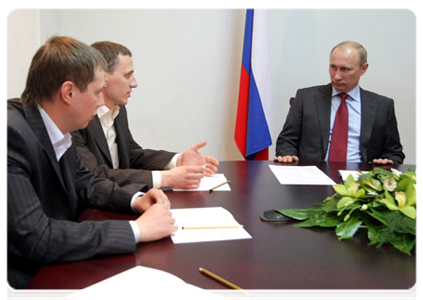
(341, 121)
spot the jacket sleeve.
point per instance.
(289, 139)
(93, 163)
(39, 229)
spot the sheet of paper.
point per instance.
(208, 183)
(345, 173)
(297, 175)
(206, 217)
(144, 283)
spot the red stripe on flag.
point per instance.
(242, 113)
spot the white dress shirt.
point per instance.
(107, 119)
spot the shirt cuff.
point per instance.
(134, 197)
(157, 179)
(136, 230)
(172, 163)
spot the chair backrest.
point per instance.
(291, 100)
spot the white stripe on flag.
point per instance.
(260, 63)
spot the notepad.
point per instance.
(203, 219)
(143, 283)
(209, 182)
(301, 175)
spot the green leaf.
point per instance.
(349, 180)
(395, 221)
(389, 205)
(409, 211)
(346, 230)
(403, 242)
(378, 216)
(373, 184)
(406, 225)
(320, 218)
(345, 201)
(404, 183)
(410, 193)
(360, 194)
(341, 189)
(330, 205)
(297, 214)
(378, 236)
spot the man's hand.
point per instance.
(153, 196)
(382, 161)
(286, 159)
(156, 223)
(183, 177)
(191, 157)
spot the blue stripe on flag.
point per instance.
(258, 134)
(248, 39)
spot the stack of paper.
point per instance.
(206, 224)
(143, 283)
(297, 175)
(208, 183)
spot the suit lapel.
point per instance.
(121, 138)
(323, 108)
(368, 113)
(100, 139)
(36, 122)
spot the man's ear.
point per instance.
(67, 92)
(364, 68)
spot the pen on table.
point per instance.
(218, 186)
(227, 283)
(211, 227)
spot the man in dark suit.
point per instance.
(107, 148)
(48, 187)
(372, 126)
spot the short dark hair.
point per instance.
(110, 52)
(60, 59)
(362, 52)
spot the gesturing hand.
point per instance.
(183, 177)
(191, 157)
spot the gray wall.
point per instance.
(187, 64)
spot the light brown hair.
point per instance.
(59, 60)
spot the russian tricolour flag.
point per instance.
(254, 116)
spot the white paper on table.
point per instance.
(345, 173)
(143, 283)
(298, 175)
(206, 216)
(210, 182)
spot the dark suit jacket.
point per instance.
(135, 163)
(307, 126)
(44, 200)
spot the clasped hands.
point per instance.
(156, 221)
